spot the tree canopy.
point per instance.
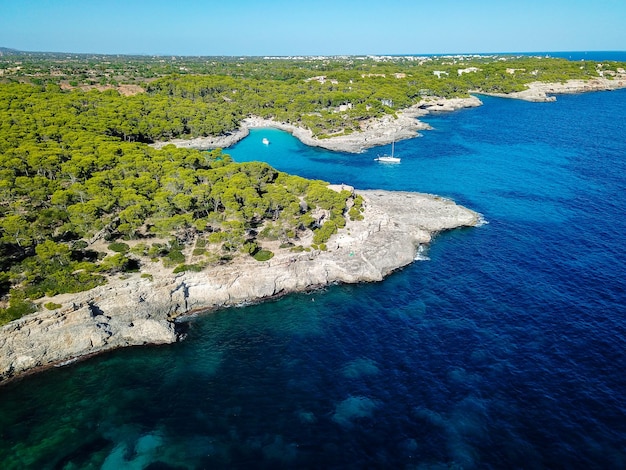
(74, 170)
(199, 96)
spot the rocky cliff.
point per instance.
(140, 310)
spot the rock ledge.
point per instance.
(139, 311)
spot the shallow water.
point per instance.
(504, 350)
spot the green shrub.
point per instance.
(140, 249)
(263, 255)
(119, 263)
(37, 291)
(339, 221)
(323, 233)
(63, 281)
(188, 267)
(52, 306)
(157, 250)
(18, 307)
(355, 214)
(79, 245)
(119, 247)
(250, 248)
(217, 237)
(176, 256)
(270, 232)
(357, 209)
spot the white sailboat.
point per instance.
(265, 141)
(389, 158)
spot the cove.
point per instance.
(504, 350)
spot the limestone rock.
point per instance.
(373, 132)
(543, 92)
(140, 310)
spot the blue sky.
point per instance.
(303, 27)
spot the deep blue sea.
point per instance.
(619, 56)
(504, 350)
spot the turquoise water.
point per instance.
(504, 350)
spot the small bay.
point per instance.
(504, 350)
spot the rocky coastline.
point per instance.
(406, 124)
(374, 132)
(150, 309)
(544, 92)
(140, 310)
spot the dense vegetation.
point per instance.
(70, 178)
(196, 96)
(84, 197)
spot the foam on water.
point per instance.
(422, 253)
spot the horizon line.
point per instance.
(412, 54)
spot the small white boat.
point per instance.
(265, 141)
(388, 158)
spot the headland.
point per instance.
(544, 92)
(138, 310)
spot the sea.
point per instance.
(501, 347)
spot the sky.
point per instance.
(303, 27)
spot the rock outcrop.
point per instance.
(542, 92)
(144, 309)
